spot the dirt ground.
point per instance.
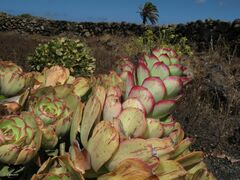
(209, 112)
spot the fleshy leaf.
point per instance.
(75, 126)
(160, 70)
(168, 127)
(128, 78)
(132, 148)
(161, 147)
(80, 86)
(103, 144)
(164, 58)
(132, 122)
(191, 159)
(134, 103)
(173, 85)
(163, 108)
(56, 75)
(80, 158)
(181, 147)
(142, 73)
(156, 52)
(154, 129)
(115, 91)
(175, 60)
(175, 70)
(100, 93)
(156, 87)
(90, 115)
(144, 95)
(130, 169)
(112, 107)
(168, 169)
(151, 60)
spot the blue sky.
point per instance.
(170, 11)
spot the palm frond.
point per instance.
(149, 12)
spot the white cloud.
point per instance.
(200, 1)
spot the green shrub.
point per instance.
(65, 52)
(164, 38)
(168, 37)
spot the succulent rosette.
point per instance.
(127, 144)
(156, 81)
(58, 168)
(55, 115)
(123, 130)
(20, 138)
(12, 79)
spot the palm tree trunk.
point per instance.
(144, 20)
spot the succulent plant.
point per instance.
(20, 138)
(55, 109)
(58, 167)
(116, 126)
(156, 82)
(69, 53)
(52, 76)
(60, 78)
(130, 133)
(129, 137)
(12, 79)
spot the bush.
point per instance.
(164, 38)
(69, 53)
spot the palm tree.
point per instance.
(149, 12)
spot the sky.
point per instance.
(170, 11)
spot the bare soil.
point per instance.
(209, 112)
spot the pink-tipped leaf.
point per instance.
(173, 85)
(164, 58)
(175, 60)
(128, 78)
(163, 108)
(151, 60)
(145, 97)
(176, 70)
(142, 73)
(134, 103)
(156, 52)
(160, 70)
(156, 86)
(114, 91)
(112, 107)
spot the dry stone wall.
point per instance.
(202, 32)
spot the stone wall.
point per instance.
(209, 32)
(26, 23)
(202, 32)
